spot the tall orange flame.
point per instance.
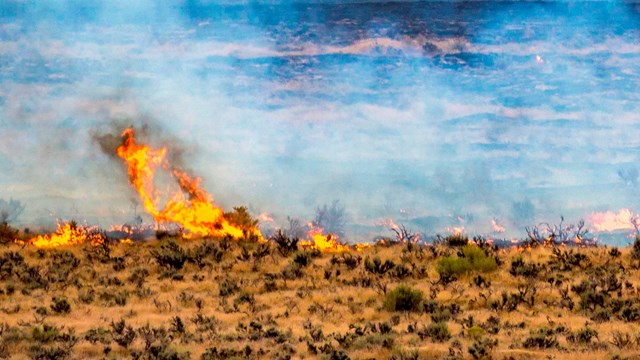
(197, 213)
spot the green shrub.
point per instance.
(471, 258)
(479, 259)
(403, 298)
(475, 332)
(436, 331)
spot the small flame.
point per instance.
(67, 234)
(322, 242)
(197, 213)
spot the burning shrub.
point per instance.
(331, 219)
(403, 298)
(242, 219)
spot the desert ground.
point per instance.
(279, 298)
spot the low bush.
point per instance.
(436, 331)
(470, 258)
(403, 298)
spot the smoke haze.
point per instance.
(434, 114)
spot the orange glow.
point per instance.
(361, 247)
(624, 219)
(67, 234)
(197, 214)
(324, 243)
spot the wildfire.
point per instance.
(624, 219)
(322, 242)
(197, 214)
(67, 234)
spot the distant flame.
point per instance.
(197, 213)
(323, 242)
(67, 234)
(624, 219)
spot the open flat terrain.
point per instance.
(220, 298)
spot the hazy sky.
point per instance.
(432, 114)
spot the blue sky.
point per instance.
(433, 114)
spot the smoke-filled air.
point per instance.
(319, 179)
(482, 118)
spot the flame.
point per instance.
(325, 243)
(361, 246)
(197, 214)
(496, 227)
(67, 234)
(624, 219)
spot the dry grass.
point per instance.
(307, 313)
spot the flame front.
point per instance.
(67, 234)
(197, 213)
(322, 242)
